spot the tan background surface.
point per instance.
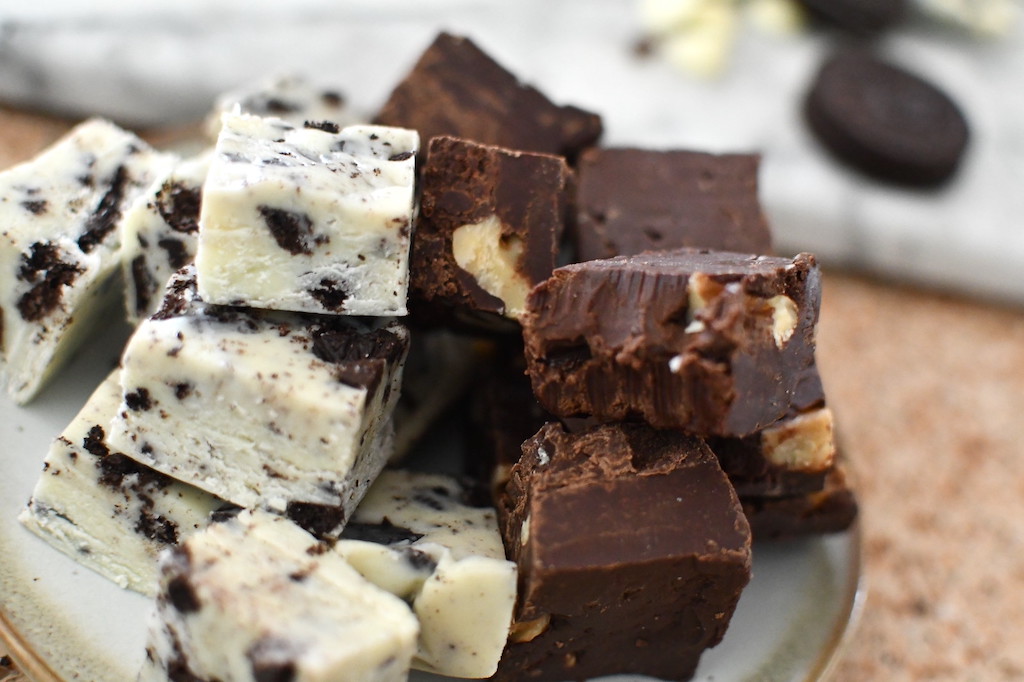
(929, 394)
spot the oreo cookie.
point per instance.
(885, 121)
(861, 17)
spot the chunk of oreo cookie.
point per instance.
(886, 121)
(862, 17)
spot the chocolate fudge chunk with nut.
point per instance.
(711, 342)
(489, 227)
(632, 553)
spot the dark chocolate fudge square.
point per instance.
(706, 341)
(489, 227)
(636, 200)
(833, 509)
(632, 553)
(457, 89)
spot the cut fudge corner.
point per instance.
(632, 549)
(490, 223)
(455, 88)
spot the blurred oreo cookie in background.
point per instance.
(886, 121)
(859, 17)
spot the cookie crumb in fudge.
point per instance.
(60, 245)
(245, 600)
(285, 411)
(105, 510)
(305, 219)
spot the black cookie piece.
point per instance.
(862, 17)
(885, 121)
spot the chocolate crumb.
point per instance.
(326, 126)
(418, 560)
(157, 528)
(102, 221)
(182, 596)
(383, 533)
(401, 156)
(143, 283)
(138, 399)
(95, 442)
(318, 519)
(332, 98)
(35, 206)
(292, 231)
(330, 294)
(177, 253)
(46, 294)
(179, 205)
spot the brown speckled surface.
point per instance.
(929, 394)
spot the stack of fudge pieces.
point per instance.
(641, 369)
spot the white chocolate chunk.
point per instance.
(159, 234)
(413, 536)
(107, 512)
(290, 97)
(260, 408)
(804, 442)
(703, 46)
(480, 250)
(258, 598)
(308, 219)
(60, 243)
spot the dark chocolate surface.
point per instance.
(457, 89)
(464, 183)
(632, 554)
(634, 200)
(614, 339)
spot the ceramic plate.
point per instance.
(64, 622)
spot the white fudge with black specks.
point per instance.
(103, 509)
(160, 233)
(415, 536)
(290, 97)
(256, 598)
(312, 218)
(269, 409)
(60, 245)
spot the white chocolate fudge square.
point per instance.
(286, 96)
(105, 510)
(160, 233)
(311, 219)
(256, 598)
(414, 536)
(59, 245)
(268, 409)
